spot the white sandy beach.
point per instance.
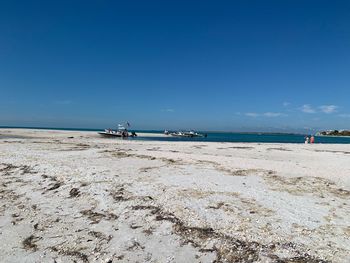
(70, 196)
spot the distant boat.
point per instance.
(188, 134)
(121, 131)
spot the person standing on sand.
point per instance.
(306, 139)
(312, 139)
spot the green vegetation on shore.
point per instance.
(335, 133)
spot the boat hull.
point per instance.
(186, 135)
(106, 134)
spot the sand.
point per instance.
(68, 196)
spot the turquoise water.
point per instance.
(256, 137)
(229, 137)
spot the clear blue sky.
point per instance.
(208, 65)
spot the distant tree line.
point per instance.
(336, 133)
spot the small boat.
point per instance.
(113, 133)
(188, 134)
(121, 131)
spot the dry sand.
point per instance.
(75, 197)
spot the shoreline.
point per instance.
(70, 195)
(265, 138)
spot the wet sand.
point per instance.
(68, 196)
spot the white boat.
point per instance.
(121, 131)
(188, 134)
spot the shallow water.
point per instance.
(254, 137)
(242, 137)
(217, 137)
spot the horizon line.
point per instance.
(147, 130)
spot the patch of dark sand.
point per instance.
(52, 178)
(153, 149)
(207, 162)
(147, 169)
(329, 151)
(196, 193)
(217, 206)
(246, 172)
(13, 136)
(96, 217)
(6, 171)
(20, 142)
(64, 146)
(74, 192)
(30, 243)
(152, 208)
(227, 248)
(134, 246)
(279, 149)
(83, 184)
(8, 168)
(241, 147)
(233, 205)
(122, 154)
(77, 147)
(233, 172)
(306, 185)
(73, 253)
(135, 226)
(148, 231)
(26, 169)
(346, 231)
(16, 219)
(199, 146)
(121, 194)
(120, 257)
(100, 236)
(9, 195)
(170, 161)
(54, 186)
(237, 147)
(251, 208)
(241, 172)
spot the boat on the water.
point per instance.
(114, 133)
(187, 134)
(121, 131)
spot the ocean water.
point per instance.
(227, 137)
(255, 137)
